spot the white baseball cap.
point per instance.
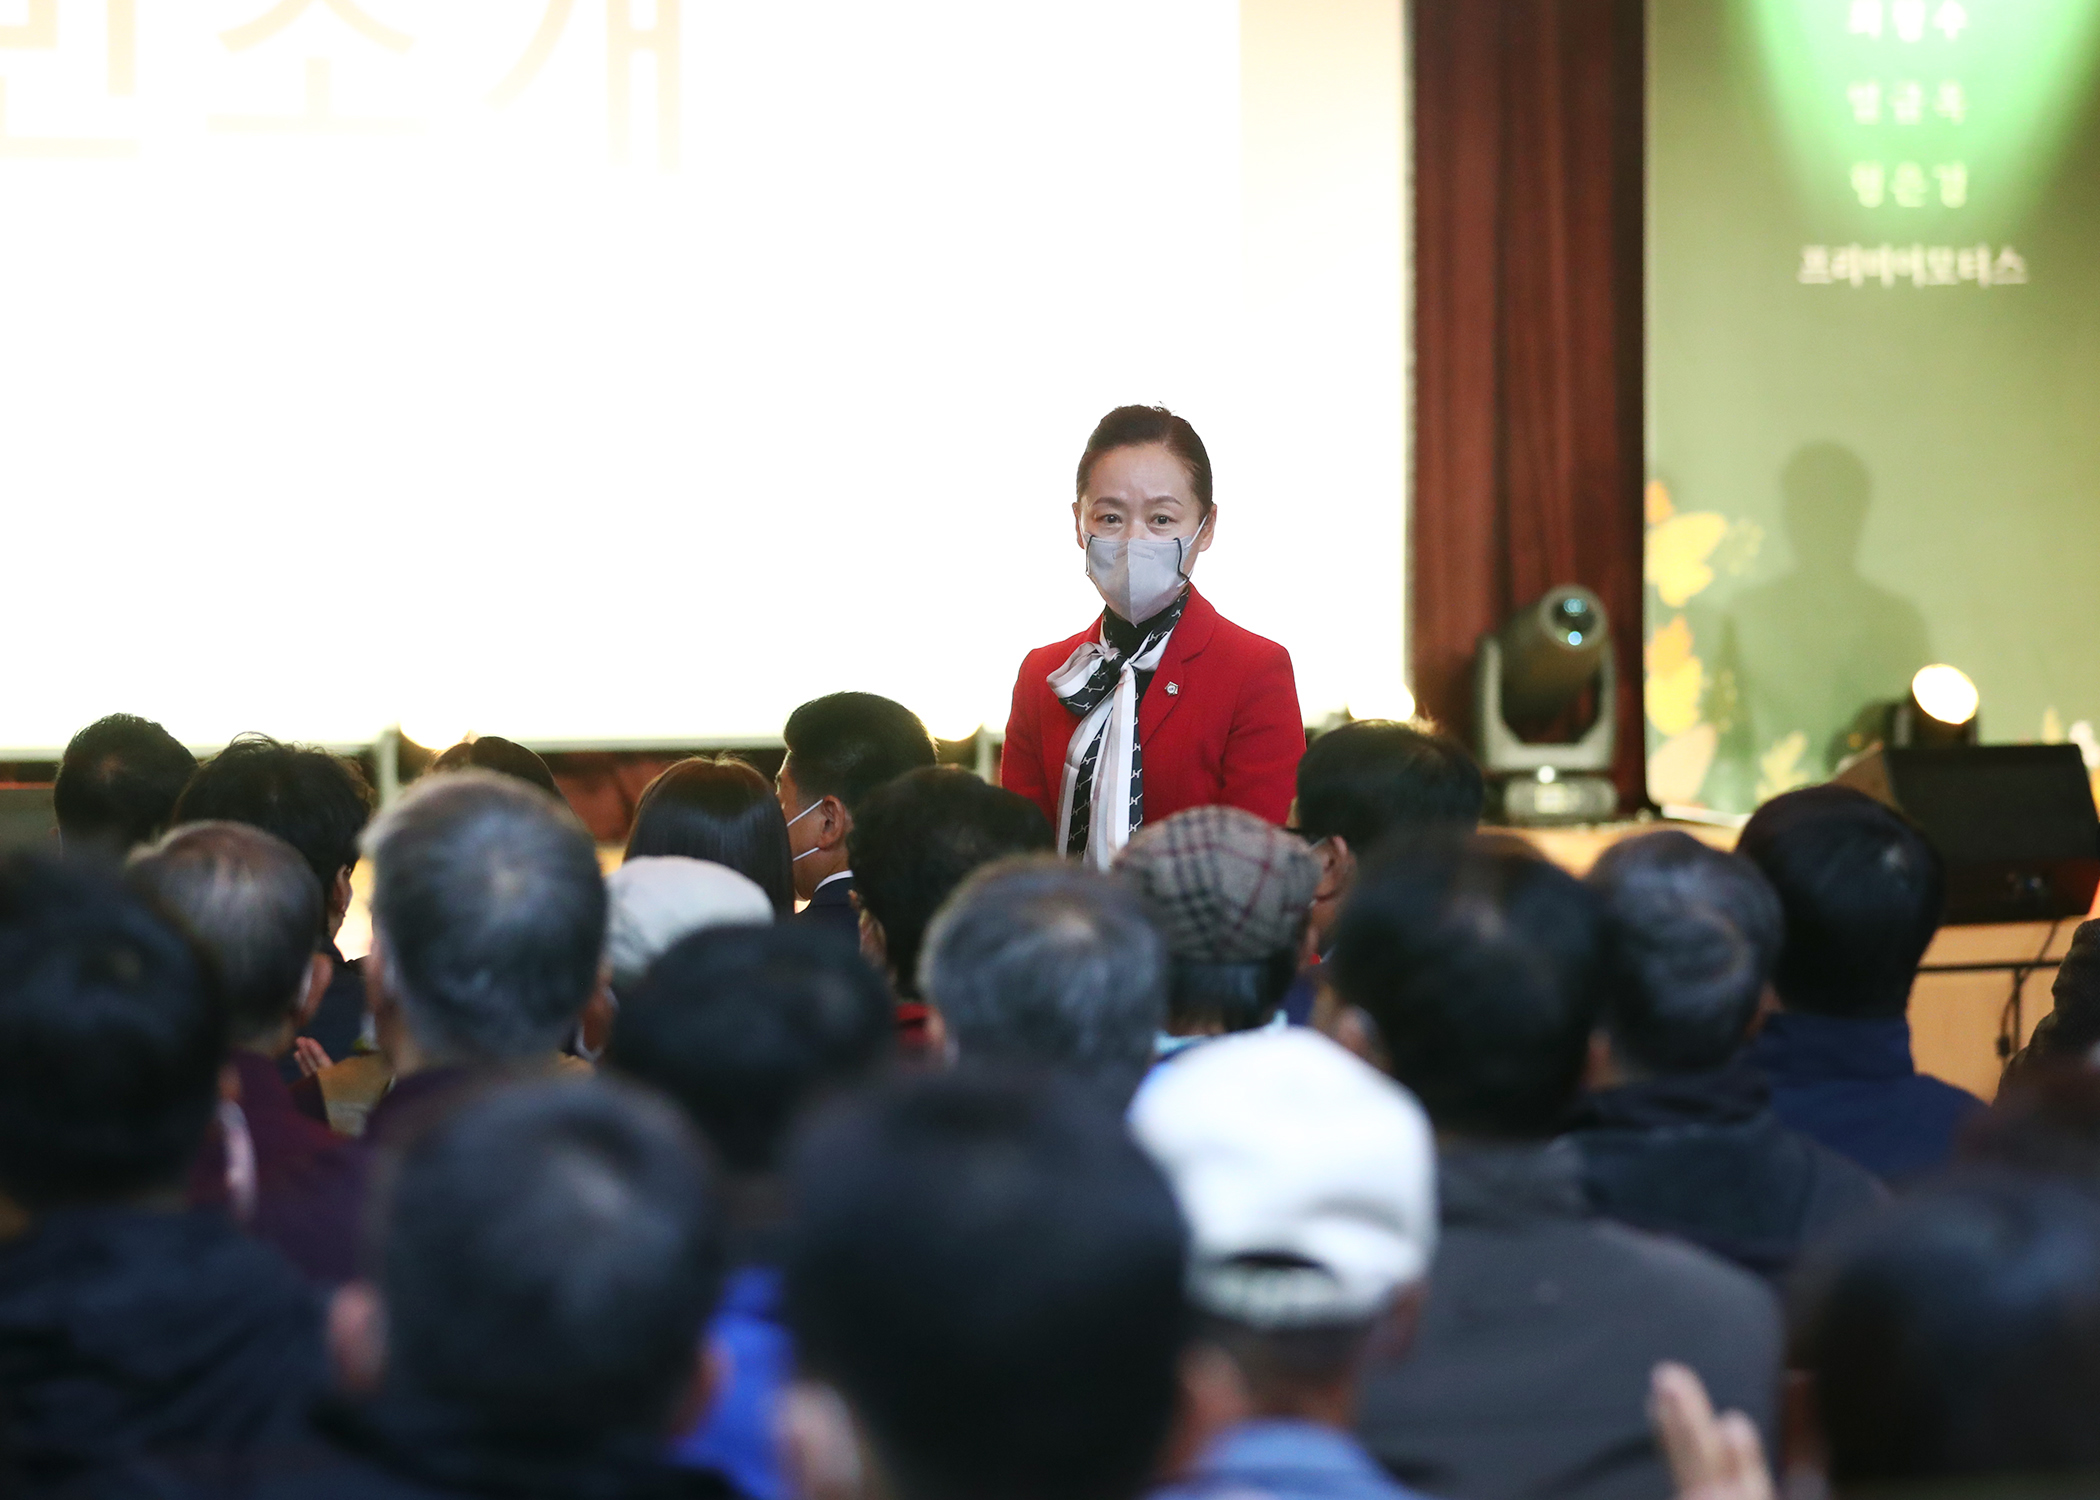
(660, 898)
(1308, 1177)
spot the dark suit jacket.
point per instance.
(1529, 1372)
(1219, 723)
(832, 908)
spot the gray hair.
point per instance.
(1037, 962)
(490, 908)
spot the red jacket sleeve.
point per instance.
(1260, 772)
(1021, 767)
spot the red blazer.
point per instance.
(1219, 724)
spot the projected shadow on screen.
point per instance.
(1814, 646)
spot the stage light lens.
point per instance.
(1946, 693)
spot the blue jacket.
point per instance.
(1850, 1083)
(736, 1437)
(1286, 1460)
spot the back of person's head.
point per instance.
(723, 810)
(118, 783)
(1478, 960)
(1230, 892)
(845, 745)
(488, 913)
(317, 802)
(111, 1039)
(747, 1027)
(1862, 892)
(915, 840)
(547, 1255)
(1373, 778)
(659, 898)
(990, 1274)
(252, 906)
(1309, 1182)
(1694, 933)
(1037, 963)
(1957, 1338)
(492, 752)
(2070, 1033)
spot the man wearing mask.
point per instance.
(840, 748)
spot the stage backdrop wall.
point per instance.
(612, 371)
(1873, 375)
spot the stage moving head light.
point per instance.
(1533, 671)
(1941, 709)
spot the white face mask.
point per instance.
(798, 817)
(1140, 577)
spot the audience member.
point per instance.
(1367, 780)
(1955, 1341)
(1862, 892)
(1039, 964)
(1678, 1133)
(657, 899)
(541, 1259)
(1358, 785)
(723, 811)
(747, 1029)
(318, 803)
(492, 752)
(913, 841)
(128, 1325)
(2045, 1122)
(1479, 963)
(253, 907)
(117, 785)
(488, 934)
(985, 1287)
(1229, 892)
(2071, 1030)
(1309, 1183)
(840, 748)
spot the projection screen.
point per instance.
(615, 373)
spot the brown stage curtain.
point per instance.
(1528, 146)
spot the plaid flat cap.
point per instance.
(1224, 886)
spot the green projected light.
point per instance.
(1941, 118)
(1873, 363)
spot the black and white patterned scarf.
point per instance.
(1099, 685)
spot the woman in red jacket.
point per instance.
(1162, 703)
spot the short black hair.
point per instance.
(1372, 778)
(914, 841)
(315, 801)
(845, 745)
(111, 1039)
(746, 1027)
(490, 913)
(492, 752)
(118, 783)
(990, 1273)
(719, 809)
(1479, 962)
(1693, 936)
(549, 1255)
(1862, 890)
(1039, 963)
(249, 903)
(1957, 1337)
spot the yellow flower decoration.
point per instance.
(1676, 678)
(1677, 553)
(1655, 500)
(1780, 768)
